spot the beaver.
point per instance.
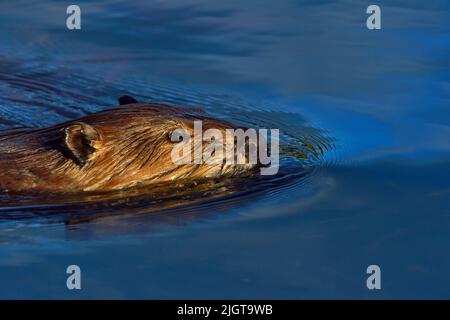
(118, 148)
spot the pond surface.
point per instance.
(374, 103)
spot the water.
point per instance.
(375, 102)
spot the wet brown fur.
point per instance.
(131, 147)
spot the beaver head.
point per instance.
(110, 150)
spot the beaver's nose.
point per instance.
(246, 152)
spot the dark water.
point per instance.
(375, 102)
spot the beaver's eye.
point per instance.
(174, 138)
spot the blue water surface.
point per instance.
(380, 195)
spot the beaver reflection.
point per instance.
(116, 149)
(153, 202)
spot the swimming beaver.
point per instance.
(109, 150)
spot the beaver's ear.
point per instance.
(78, 141)
(127, 100)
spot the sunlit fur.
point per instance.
(134, 149)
